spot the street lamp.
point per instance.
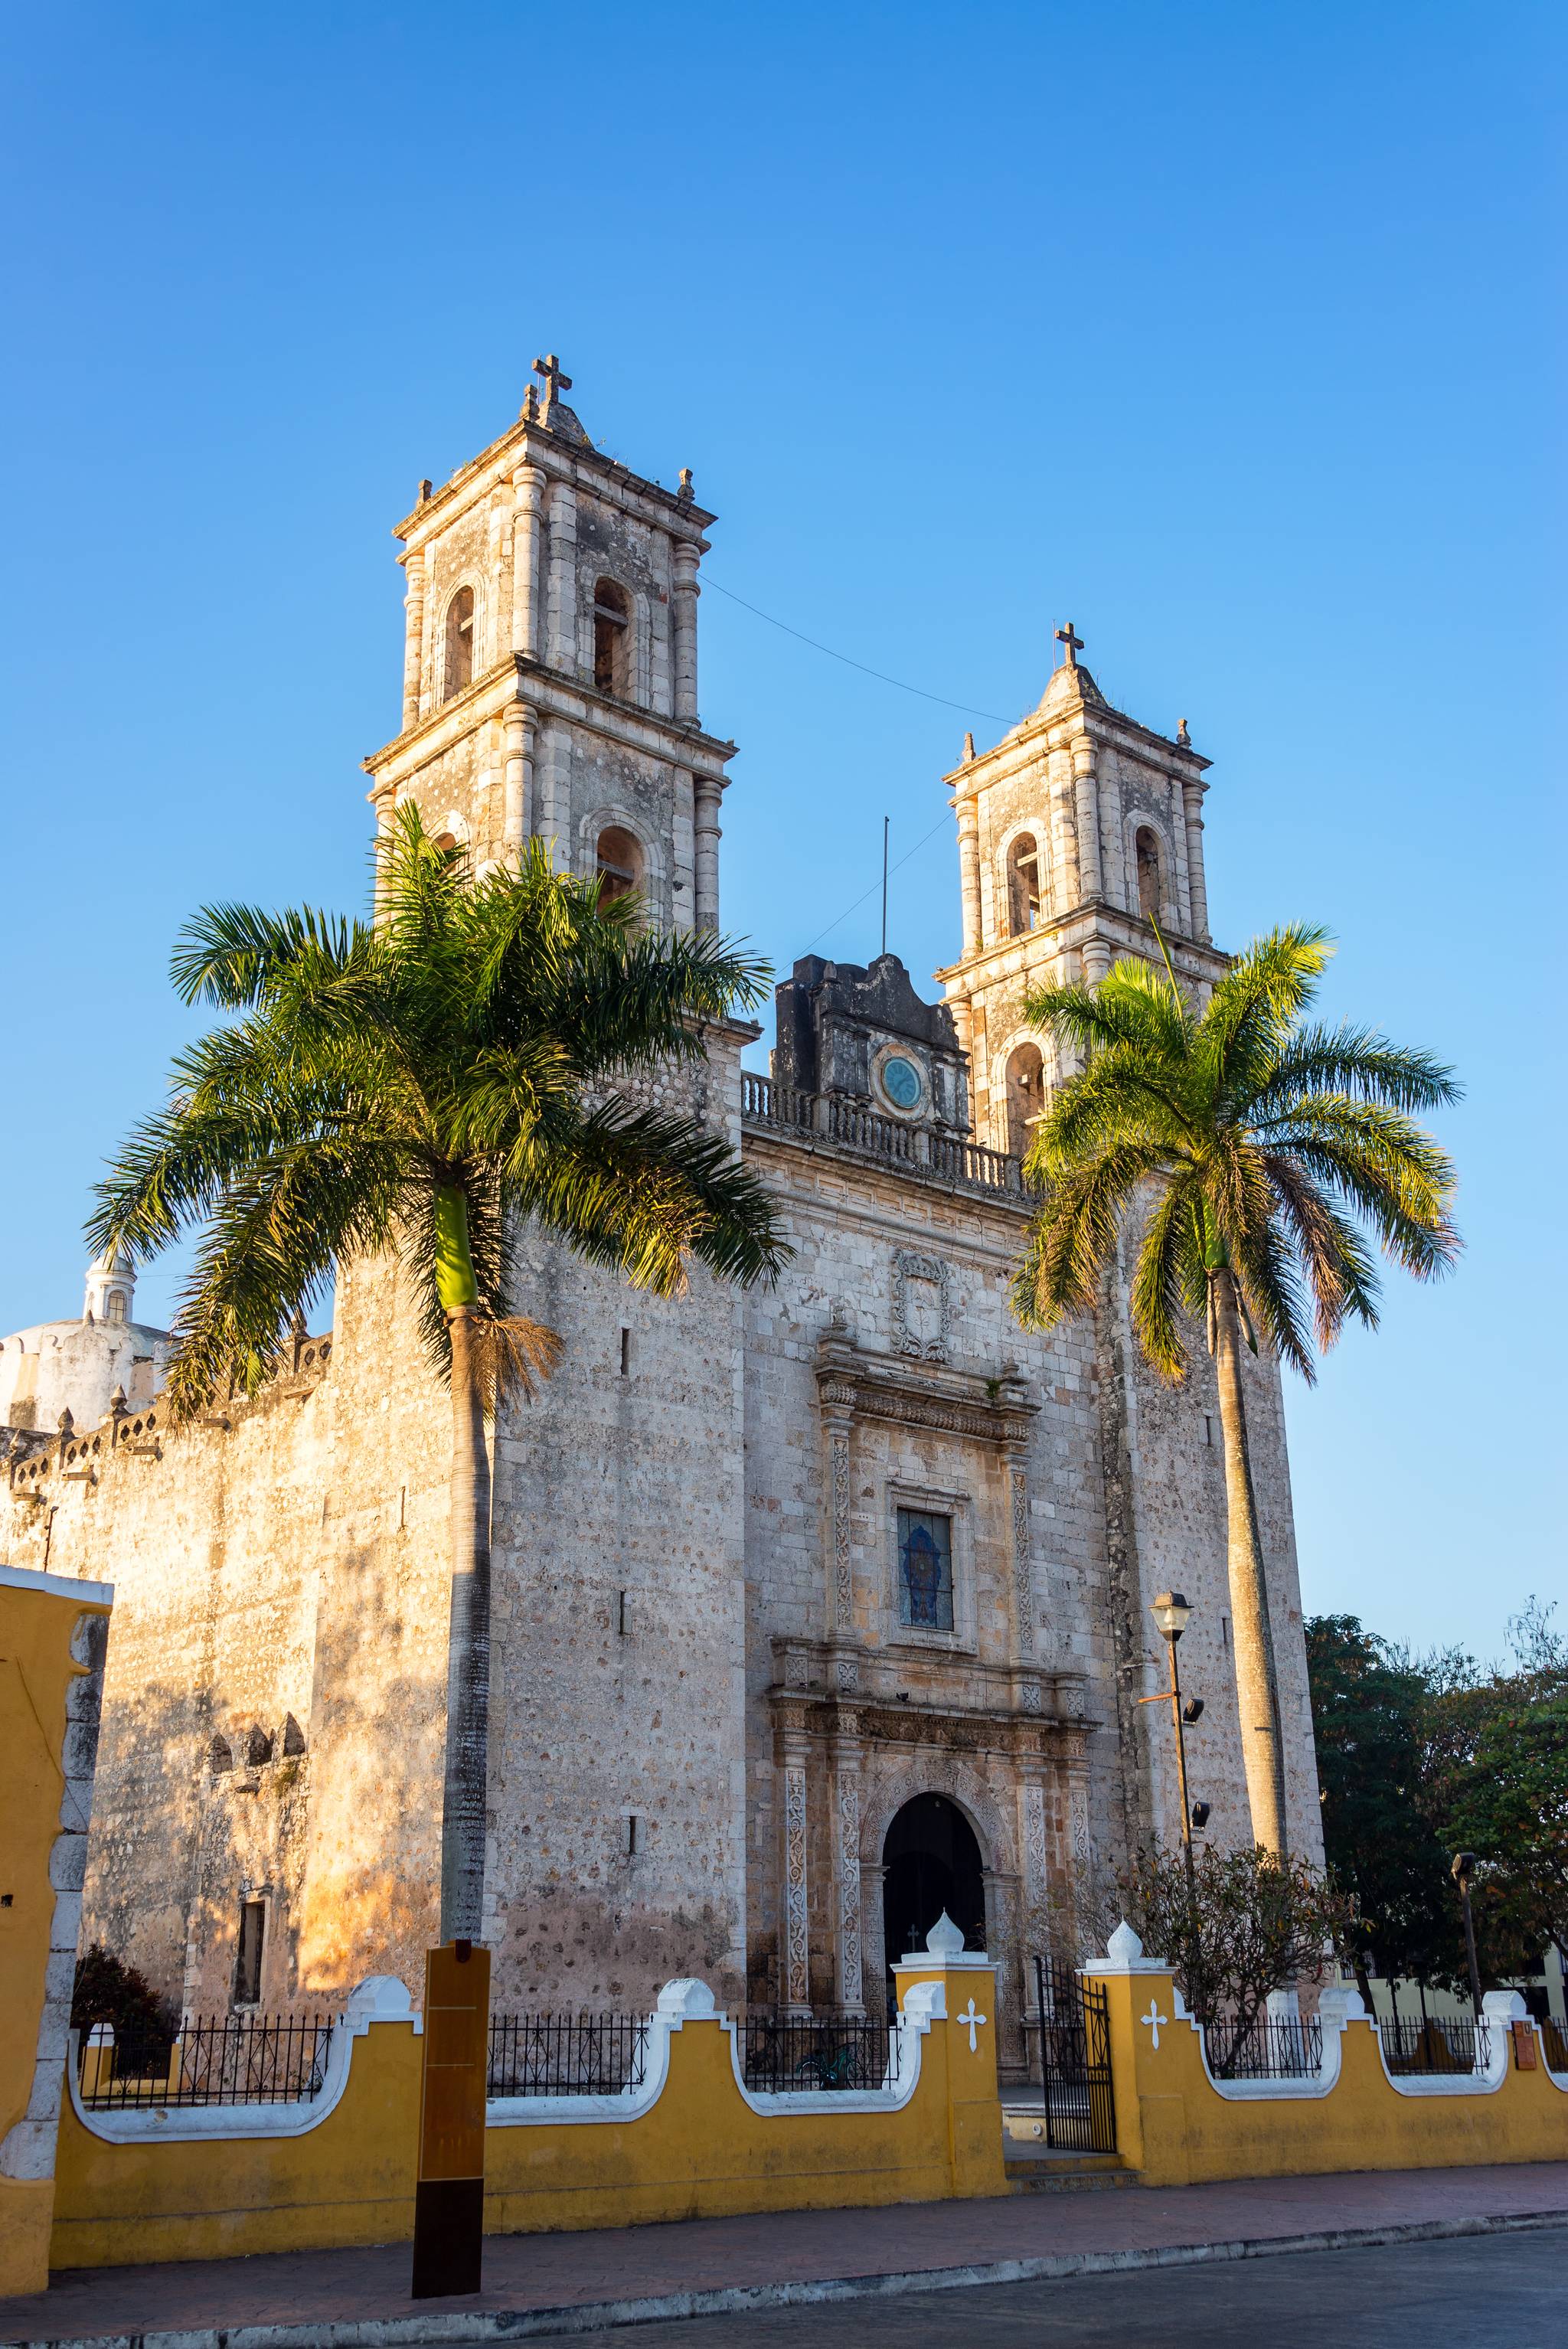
(1171, 1615)
(1462, 1872)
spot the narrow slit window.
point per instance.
(625, 1354)
(611, 630)
(1150, 891)
(248, 1957)
(460, 642)
(1022, 886)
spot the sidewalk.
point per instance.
(584, 2282)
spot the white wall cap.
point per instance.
(1341, 2003)
(1504, 2006)
(379, 1998)
(1124, 1955)
(59, 1586)
(944, 1937)
(926, 2000)
(686, 1997)
(959, 1961)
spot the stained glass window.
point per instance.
(924, 1570)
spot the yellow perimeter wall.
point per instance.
(701, 2150)
(1175, 2128)
(51, 1677)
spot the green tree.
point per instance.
(425, 1081)
(1496, 1774)
(1368, 1716)
(1256, 1924)
(106, 1990)
(1254, 1148)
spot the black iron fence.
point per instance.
(1270, 2047)
(782, 2054)
(1072, 2029)
(224, 2060)
(566, 2054)
(1434, 2046)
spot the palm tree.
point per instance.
(1252, 1149)
(423, 1082)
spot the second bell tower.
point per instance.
(1076, 832)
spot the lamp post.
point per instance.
(1171, 1613)
(1461, 1871)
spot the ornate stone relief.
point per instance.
(922, 1309)
(844, 1570)
(1023, 1575)
(849, 1872)
(797, 1971)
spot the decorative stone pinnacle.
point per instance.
(1124, 1945)
(1181, 734)
(685, 492)
(944, 1940)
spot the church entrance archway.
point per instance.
(931, 1861)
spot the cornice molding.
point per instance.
(856, 1383)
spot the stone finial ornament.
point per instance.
(1124, 1945)
(685, 492)
(968, 747)
(944, 1940)
(1182, 736)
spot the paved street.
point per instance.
(1490, 2292)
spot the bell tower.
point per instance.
(550, 665)
(1075, 830)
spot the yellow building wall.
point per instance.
(1175, 2128)
(48, 1797)
(700, 2150)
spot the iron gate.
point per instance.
(1075, 2060)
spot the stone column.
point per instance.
(1085, 789)
(969, 872)
(847, 1869)
(413, 638)
(529, 482)
(685, 592)
(517, 801)
(683, 879)
(794, 1924)
(1193, 792)
(385, 803)
(552, 800)
(562, 650)
(708, 789)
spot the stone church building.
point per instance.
(817, 1609)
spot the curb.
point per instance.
(473, 2326)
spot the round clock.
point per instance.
(900, 1081)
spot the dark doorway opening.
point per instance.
(932, 1862)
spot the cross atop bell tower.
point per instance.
(1077, 834)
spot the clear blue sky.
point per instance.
(1229, 331)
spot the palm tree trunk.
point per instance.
(467, 1650)
(1257, 1684)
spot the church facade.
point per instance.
(818, 1608)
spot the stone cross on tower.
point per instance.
(1064, 636)
(555, 383)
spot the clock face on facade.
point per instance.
(900, 1081)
